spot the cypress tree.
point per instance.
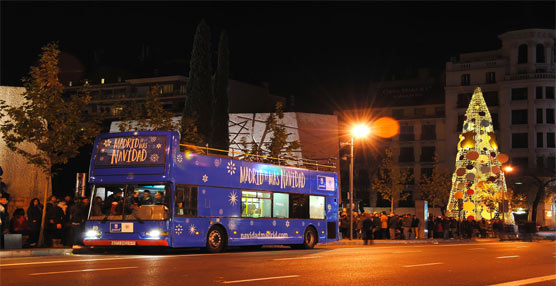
(196, 119)
(220, 135)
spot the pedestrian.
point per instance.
(18, 223)
(415, 226)
(384, 225)
(445, 227)
(34, 215)
(51, 226)
(344, 225)
(63, 216)
(376, 226)
(367, 227)
(406, 225)
(453, 224)
(483, 228)
(146, 199)
(393, 225)
(78, 216)
(430, 226)
(69, 201)
(97, 207)
(4, 216)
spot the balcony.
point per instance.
(546, 75)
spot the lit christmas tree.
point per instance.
(478, 183)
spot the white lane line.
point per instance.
(509, 256)
(83, 270)
(527, 281)
(410, 251)
(294, 258)
(66, 261)
(522, 246)
(426, 264)
(476, 248)
(260, 279)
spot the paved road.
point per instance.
(442, 264)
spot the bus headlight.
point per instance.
(92, 234)
(154, 233)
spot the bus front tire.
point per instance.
(309, 239)
(216, 240)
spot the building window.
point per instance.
(464, 99)
(461, 119)
(406, 133)
(539, 115)
(419, 112)
(540, 162)
(549, 92)
(522, 54)
(540, 140)
(255, 204)
(494, 117)
(167, 89)
(519, 140)
(491, 98)
(550, 140)
(550, 115)
(519, 93)
(426, 172)
(551, 162)
(427, 154)
(406, 154)
(538, 92)
(540, 53)
(519, 116)
(428, 132)
(490, 77)
(465, 79)
(397, 113)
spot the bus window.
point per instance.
(255, 204)
(280, 205)
(299, 206)
(185, 200)
(316, 207)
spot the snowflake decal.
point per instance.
(220, 211)
(217, 162)
(153, 138)
(233, 198)
(251, 223)
(232, 224)
(204, 191)
(329, 206)
(287, 223)
(205, 178)
(107, 142)
(180, 158)
(179, 229)
(302, 223)
(217, 219)
(231, 168)
(158, 146)
(196, 163)
(273, 223)
(192, 229)
(154, 157)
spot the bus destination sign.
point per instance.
(131, 151)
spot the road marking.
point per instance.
(527, 281)
(426, 264)
(522, 246)
(476, 248)
(294, 258)
(83, 270)
(510, 256)
(65, 261)
(411, 251)
(260, 279)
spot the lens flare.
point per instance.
(386, 127)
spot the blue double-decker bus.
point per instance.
(147, 191)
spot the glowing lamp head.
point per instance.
(360, 131)
(508, 169)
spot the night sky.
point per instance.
(324, 53)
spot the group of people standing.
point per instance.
(449, 227)
(369, 226)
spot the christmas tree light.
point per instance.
(478, 183)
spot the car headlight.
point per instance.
(92, 234)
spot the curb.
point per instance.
(35, 252)
(413, 241)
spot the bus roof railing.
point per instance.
(284, 161)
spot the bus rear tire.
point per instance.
(309, 239)
(216, 240)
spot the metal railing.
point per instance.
(283, 161)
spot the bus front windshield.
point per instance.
(130, 202)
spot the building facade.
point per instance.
(518, 83)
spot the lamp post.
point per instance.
(507, 169)
(358, 131)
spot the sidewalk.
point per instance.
(346, 241)
(28, 252)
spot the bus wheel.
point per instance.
(216, 240)
(309, 239)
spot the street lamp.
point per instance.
(358, 131)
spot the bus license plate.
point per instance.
(123, 242)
